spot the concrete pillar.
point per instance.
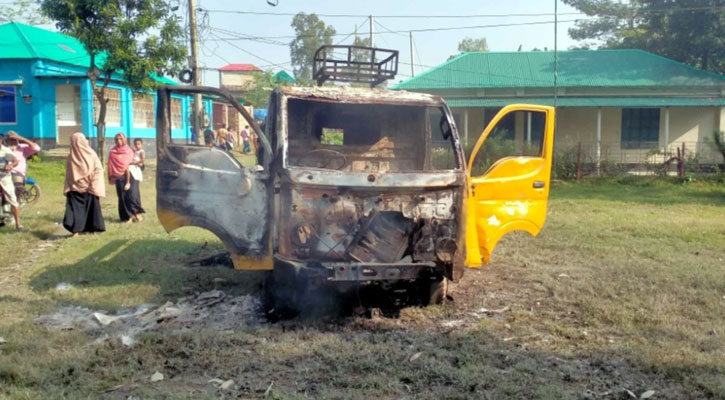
(667, 131)
(528, 127)
(465, 126)
(598, 155)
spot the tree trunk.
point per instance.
(101, 121)
(100, 94)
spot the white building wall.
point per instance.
(691, 125)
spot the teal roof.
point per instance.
(21, 41)
(576, 68)
(284, 77)
(590, 101)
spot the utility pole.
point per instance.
(197, 112)
(372, 43)
(412, 59)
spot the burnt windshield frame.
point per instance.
(425, 108)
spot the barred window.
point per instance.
(143, 111)
(113, 107)
(640, 128)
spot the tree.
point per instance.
(718, 143)
(310, 34)
(134, 38)
(261, 89)
(361, 55)
(468, 45)
(688, 31)
(22, 11)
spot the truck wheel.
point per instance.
(438, 291)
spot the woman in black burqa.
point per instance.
(83, 187)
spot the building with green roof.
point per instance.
(46, 95)
(621, 105)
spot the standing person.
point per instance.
(245, 138)
(234, 136)
(119, 159)
(8, 161)
(23, 149)
(222, 138)
(209, 138)
(83, 187)
(136, 171)
(255, 140)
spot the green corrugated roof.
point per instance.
(284, 76)
(576, 68)
(21, 41)
(591, 101)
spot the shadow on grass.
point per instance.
(643, 191)
(162, 264)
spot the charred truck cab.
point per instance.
(371, 186)
(359, 187)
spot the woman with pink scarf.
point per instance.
(129, 197)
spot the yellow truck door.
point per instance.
(509, 173)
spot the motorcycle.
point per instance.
(29, 193)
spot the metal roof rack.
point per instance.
(370, 65)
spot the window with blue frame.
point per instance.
(8, 111)
(640, 128)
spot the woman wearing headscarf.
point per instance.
(83, 187)
(129, 197)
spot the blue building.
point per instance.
(45, 94)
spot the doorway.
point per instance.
(67, 112)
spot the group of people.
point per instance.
(231, 139)
(84, 179)
(85, 183)
(14, 152)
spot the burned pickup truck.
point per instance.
(355, 187)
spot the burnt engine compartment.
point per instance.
(335, 227)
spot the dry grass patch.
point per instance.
(623, 290)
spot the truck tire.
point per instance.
(438, 291)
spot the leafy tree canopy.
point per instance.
(470, 45)
(25, 11)
(689, 31)
(264, 84)
(136, 38)
(361, 55)
(311, 33)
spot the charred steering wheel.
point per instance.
(338, 160)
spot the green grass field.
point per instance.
(624, 290)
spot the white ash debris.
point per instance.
(212, 309)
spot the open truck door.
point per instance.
(207, 186)
(509, 172)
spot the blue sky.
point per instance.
(431, 48)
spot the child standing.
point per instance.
(136, 171)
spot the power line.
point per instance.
(509, 15)
(391, 16)
(451, 28)
(271, 63)
(389, 30)
(355, 31)
(248, 37)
